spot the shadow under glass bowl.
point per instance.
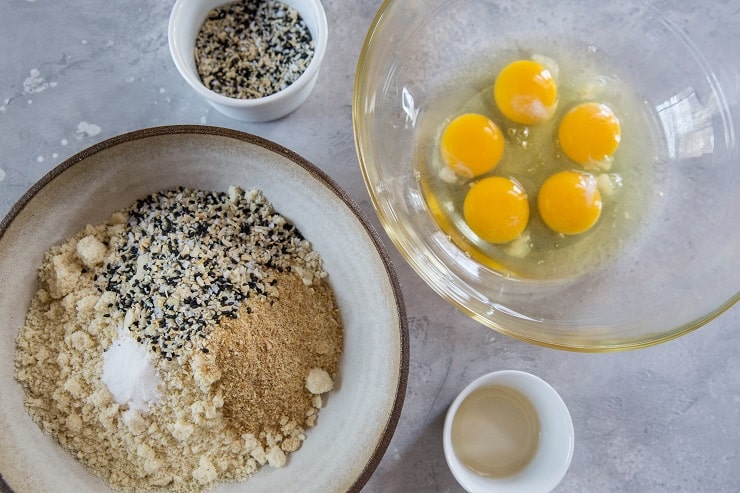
(678, 269)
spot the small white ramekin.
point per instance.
(186, 19)
(553, 457)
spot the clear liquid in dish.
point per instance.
(496, 431)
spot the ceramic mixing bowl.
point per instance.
(357, 422)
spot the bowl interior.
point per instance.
(678, 270)
(359, 417)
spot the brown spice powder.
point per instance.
(264, 356)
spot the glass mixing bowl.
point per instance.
(674, 267)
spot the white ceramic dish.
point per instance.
(185, 21)
(552, 460)
(360, 415)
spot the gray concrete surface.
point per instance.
(663, 419)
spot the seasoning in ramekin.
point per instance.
(250, 49)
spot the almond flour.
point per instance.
(233, 306)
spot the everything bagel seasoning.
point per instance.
(250, 49)
(232, 308)
(182, 266)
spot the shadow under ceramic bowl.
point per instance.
(675, 268)
(360, 415)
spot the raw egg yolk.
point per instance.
(569, 202)
(496, 209)
(525, 92)
(589, 133)
(471, 145)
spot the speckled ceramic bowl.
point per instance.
(185, 22)
(360, 415)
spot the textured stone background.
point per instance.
(663, 419)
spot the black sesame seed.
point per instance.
(259, 45)
(194, 273)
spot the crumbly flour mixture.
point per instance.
(240, 331)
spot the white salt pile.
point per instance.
(130, 375)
